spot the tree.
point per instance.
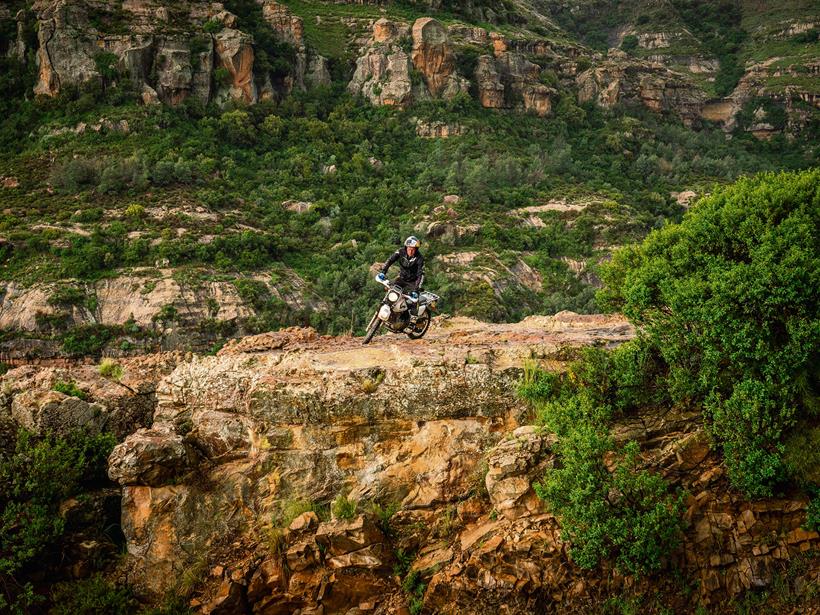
(729, 300)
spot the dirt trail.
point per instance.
(449, 340)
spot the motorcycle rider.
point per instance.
(411, 264)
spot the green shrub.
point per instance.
(34, 480)
(213, 26)
(92, 596)
(75, 174)
(414, 589)
(135, 210)
(630, 43)
(342, 508)
(110, 369)
(86, 340)
(70, 388)
(290, 509)
(623, 514)
(727, 300)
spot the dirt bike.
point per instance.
(396, 314)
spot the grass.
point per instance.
(289, 509)
(110, 369)
(343, 508)
(69, 388)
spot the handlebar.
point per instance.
(387, 284)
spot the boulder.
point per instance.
(341, 537)
(433, 56)
(234, 51)
(513, 464)
(488, 83)
(220, 433)
(57, 413)
(150, 457)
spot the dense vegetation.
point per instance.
(726, 308)
(610, 508)
(35, 479)
(728, 301)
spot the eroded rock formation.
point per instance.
(431, 442)
(622, 80)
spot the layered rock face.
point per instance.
(311, 68)
(434, 58)
(651, 85)
(167, 60)
(387, 73)
(433, 434)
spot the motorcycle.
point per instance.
(395, 313)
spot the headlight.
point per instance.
(392, 296)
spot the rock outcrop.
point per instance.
(622, 80)
(388, 73)
(433, 57)
(425, 451)
(205, 56)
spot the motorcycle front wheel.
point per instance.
(374, 325)
(420, 327)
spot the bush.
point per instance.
(91, 596)
(34, 480)
(121, 175)
(728, 301)
(110, 369)
(342, 508)
(69, 388)
(619, 513)
(630, 43)
(86, 340)
(75, 174)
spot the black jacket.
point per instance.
(412, 269)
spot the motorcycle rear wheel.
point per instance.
(372, 328)
(420, 328)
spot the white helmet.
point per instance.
(412, 242)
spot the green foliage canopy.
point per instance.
(729, 300)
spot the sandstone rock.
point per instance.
(305, 521)
(386, 31)
(685, 198)
(288, 28)
(372, 557)
(298, 207)
(343, 537)
(434, 58)
(383, 77)
(302, 555)
(175, 71)
(234, 50)
(619, 79)
(450, 232)
(149, 457)
(57, 413)
(509, 80)
(220, 433)
(439, 129)
(488, 82)
(229, 599)
(511, 464)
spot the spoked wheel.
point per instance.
(420, 327)
(374, 325)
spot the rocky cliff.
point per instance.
(424, 449)
(168, 52)
(199, 50)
